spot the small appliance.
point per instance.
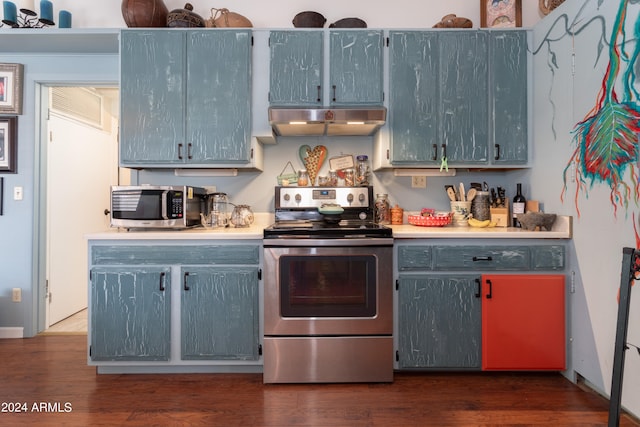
(156, 206)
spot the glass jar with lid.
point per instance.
(303, 178)
(362, 170)
(382, 209)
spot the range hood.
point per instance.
(341, 121)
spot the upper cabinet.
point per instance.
(459, 96)
(185, 98)
(355, 68)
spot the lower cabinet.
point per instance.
(484, 316)
(174, 305)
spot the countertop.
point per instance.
(562, 229)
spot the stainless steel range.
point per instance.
(328, 296)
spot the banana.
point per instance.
(479, 224)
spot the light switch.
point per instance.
(17, 193)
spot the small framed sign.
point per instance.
(500, 13)
(11, 88)
(8, 145)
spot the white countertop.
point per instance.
(562, 229)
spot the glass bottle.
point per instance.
(362, 170)
(382, 209)
(303, 178)
(519, 202)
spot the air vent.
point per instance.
(77, 103)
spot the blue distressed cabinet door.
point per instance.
(130, 313)
(151, 96)
(296, 68)
(413, 97)
(356, 67)
(220, 314)
(464, 96)
(439, 321)
(185, 97)
(508, 96)
(218, 109)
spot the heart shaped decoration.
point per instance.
(303, 152)
(314, 160)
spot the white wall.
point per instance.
(564, 96)
(279, 13)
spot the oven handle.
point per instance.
(305, 241)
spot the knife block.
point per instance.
(501, 215)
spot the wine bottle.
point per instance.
(519, 202)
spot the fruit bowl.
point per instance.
(438, 219)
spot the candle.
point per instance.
(26, 4)
(10, 12)
(46, 11)
(64, 19)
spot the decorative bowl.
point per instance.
(439, 219)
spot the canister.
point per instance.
(480, 206)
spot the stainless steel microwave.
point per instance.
(156, 206)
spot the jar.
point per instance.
(362, 170)
(303, 178)
(219, 209)
(396, 215)
(480, 206)
(333, 178)
(349, 177)
(382, 209)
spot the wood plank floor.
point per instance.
(53, 369)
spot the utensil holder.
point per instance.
(461, 213)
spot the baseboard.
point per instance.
(6, 332)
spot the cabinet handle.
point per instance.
(180, 151)
(319, 94)
(189, 156)
(490, 294)
(444, 151)
(435, 152)
(497, 151)
(334, 93)
(482, 258)
(479, 292)
(162, 281)
(184, 281)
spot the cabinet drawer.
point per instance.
(548, 257)
(173, 254)
(411, 258)
(481, 258)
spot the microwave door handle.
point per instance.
(164, 204)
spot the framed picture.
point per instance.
(11, 88)
(500, 13)
(8, 145)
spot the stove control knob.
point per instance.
(298, 198)
(362, 215)
(286, 197)
(361, 198)
(350, 198)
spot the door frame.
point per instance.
(39, 267)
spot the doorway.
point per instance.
(79, 158)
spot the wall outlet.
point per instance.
(16, 295)
(418, 182)
(17, 193)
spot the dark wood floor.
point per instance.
(53, 369)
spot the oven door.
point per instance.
(328, 291)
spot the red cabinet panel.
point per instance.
(523, 322)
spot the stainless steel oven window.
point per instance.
(328, 286)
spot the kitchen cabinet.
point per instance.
(174, 304)
(439, 317)
(440, 85)
(130, 313)
(508, 100)
(185, 98)
(448, 316)
(297, 63)
(523, 318)
(219, 313)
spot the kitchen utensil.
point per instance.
(451, 193)
(463, 194)
(471, 194)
